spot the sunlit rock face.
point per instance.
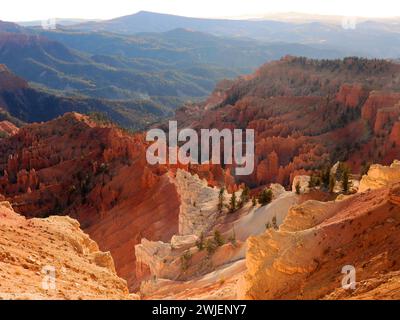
(198, 204)
(380, 176)
(304, 258)
(32, 248)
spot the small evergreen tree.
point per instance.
(325, 176)
(185, 260)
(233, 203)
(311, 184)
(200, 242)
(339, 172)
(254, 201)
(245, 196)
(218, 239)
(232, 238)
(314, 181)
(265, 197)
(345, 180)
(210, 246)
(298, 188)
(274, 223)
(221, 199)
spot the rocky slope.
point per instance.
(302, 258)
(32, 251)
(305, 257)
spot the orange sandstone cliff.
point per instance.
(32, 250)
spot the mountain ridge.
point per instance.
(360, 40)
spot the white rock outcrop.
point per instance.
(158, 257)
(199, 204)
(183, 242)
(277, 190)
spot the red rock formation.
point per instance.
(395, 133)
(351, 95)
(377, 101)
(309, 114)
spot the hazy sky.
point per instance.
(23, 10)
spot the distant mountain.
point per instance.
(184, 49)
(169, 68)
(20, 103)
(141, 78)
(135, 80)
(368, 38)
(55, 66)
(144, 21)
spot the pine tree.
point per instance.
(244, 197)
(218, 239)
(200, 243)
(233, 203)
(232, 238)
(274, 223)
(314, 181)
(298, 189)
(345, 180)
(221, 199)
(325, 176)
(265, 197)
(311, 184)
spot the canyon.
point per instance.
(97, 174)
(162, 225)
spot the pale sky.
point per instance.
(24, 10)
